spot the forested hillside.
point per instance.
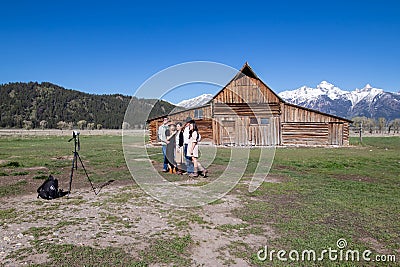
(46, 105)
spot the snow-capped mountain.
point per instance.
(328, 98)
(368, 101)
(196, 101)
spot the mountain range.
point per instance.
(367, 102)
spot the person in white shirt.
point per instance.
(186, 133)
(193, 150)
(179, 154)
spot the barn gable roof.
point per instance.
(248, 71)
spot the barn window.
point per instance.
(198, 113)
(253, 120)
(264, 121)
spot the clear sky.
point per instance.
(109, 47)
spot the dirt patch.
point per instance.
(375, 245)
(276, 178)
(67, 157)
(356, 178)
(38, 168)
(283, 167)
(123, 216)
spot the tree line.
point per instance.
(48, 106)
(379, 125)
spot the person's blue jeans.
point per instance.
(164, 152)
(189, 162)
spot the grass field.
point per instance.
(318, 196)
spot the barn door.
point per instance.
(264, 131)
(335, 134)
(228, 133)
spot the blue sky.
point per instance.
(109, 47)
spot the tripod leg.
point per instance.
(87, 175)
(74, 166)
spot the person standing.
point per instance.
(179, 154)
(162, 137)
(186, 133)
(193, 150)
(171, 138)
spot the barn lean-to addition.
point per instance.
(247, 112)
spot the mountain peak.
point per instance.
(196, 101)
(325, 84)
(367, 86)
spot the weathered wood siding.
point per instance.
(305, 133)
(238, 131)
(247, 109)
(301, 126)
(245, 89)
(236, 107)
(293, 113)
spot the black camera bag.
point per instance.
(49, 189)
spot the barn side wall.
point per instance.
(302, 126)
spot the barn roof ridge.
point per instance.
(248, 71)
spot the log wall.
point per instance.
(301, 133)
(293, 113)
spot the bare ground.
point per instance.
(122, 216)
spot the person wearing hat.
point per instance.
(162, 137)
(186, 137)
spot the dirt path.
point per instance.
(123, 216)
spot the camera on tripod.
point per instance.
(75, 137)
(76, 158)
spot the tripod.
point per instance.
(77, 147)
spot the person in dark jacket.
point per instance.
(171, 145)
(179, 153)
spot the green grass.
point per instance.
(172, 252)
(168, 251)
(102, 156)
(7, 215)
(13, 189)
(351, 193)
(72, 255)
(40, 177)
(325, 194)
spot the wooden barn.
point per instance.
(246, 112)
